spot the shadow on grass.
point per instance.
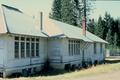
(52, 72)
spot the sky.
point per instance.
(33, 7)
(102, 6)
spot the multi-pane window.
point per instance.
(74, 47)
(95, 48)
(26, 47)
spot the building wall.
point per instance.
(11, 62)
(54, 50)
(65, 53)
(59, 53)
(3, 50)
(99, 55)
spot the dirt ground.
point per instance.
(104, 76)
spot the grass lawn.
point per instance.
(62, 75)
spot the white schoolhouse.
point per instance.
(25, 47)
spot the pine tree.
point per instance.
(109, 37)
(91, 26)
(115, 40)
(119, 33)
(100, 27)
(56, 10)
(69, 12)
(106, 28)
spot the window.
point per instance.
(74, 47)
(22, 38)
(70, 47)
(94, 48)
(78, 47)
(32, 49)
(28, 39)
(37, 49)
(101, 48)
(22, 50)
(16, 50)
(37, 40)
(33, 39)
(27, 49)
(17, 38)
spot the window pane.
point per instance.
(69, 49)
(72, 48)
(33, 39)
(28, 49)
(22, 50)
(32, 50)
(37, 40)
(28, 39)
(94, 48)
(16, 38)
(37, 49)
(16, 50)
(22, 38)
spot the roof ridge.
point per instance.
(12, 8)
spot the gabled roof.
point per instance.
(15, 21)
(60, 28)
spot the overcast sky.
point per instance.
(32, 7)
(101, 6)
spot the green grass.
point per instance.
(62, 75)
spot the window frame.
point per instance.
(73, 47)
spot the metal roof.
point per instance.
(16, 22)
(70, 31)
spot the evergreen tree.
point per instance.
(118, 33)
(69, 12)
(115, 40)
(100, 27)
(56, 10)
(109, 37)
(91, 26)
(109, 23)
(106, 20)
